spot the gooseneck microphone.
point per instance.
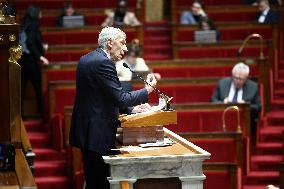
(162, 95)
(155, 89)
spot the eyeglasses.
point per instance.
(239, 78)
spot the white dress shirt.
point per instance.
(232, 93)
(263, 16)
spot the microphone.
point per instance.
(155, 89)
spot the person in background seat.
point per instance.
(266, 14)
(67, 10)
(239, 89)
(121, 17)
(195, 15)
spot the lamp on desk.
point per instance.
(236, 108)
(253, 35)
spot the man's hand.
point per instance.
(226, 100)
(141, 108)
(242, 101)
(44, 60)
(152, 81)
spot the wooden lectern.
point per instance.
(145, 127)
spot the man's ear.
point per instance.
(109, 44)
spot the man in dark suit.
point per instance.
(266, 15)
(99, 96)
(239, 89)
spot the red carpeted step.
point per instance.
(271, 134)
(277, 105)
(279, 83)
(52, 182)
(157, 49)
(50, 168)
(279, 93)
(266, 162)
(268, 148)
(281, 74)
(158, 39)
(39, 139)
(165, 32)
(33, 125)
(275, 118)
(46, 154)
(262, 178)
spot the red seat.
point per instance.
(206, 121)
(218, 52)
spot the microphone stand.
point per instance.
(163, 96)
(253, 35)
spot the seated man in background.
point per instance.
(255, 2)
(67, 10)
(266, 15)
(121, 17)
(239, 89)
(195, 15)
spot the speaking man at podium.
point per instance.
(98, 98)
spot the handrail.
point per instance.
(27, 147)
(238, 116)
(25, 139)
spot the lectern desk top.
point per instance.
(149, 119)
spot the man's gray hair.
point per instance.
(240, 67)
(109, 33)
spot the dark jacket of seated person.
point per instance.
(266, 14)
(238, 89)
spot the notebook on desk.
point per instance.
(73, 21)
(205, 36)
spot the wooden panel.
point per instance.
(24, 174)
(6, 31)
(8, 180)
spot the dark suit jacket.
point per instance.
(99, 96)
(34, 40)
(250, 93)
(271, 17)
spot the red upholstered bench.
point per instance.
(184, 93)
(57, 4)
(70, 55)
(78, 36)
(199, 71)
(184, 34)
(222, 176)
(207, 121)
(224, 147)
(208, 52)
(186, 3)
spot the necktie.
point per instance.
(235, 98)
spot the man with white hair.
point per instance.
(98, 98)
(239, 89)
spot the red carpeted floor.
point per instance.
(157, 41)
(50, 165)
(267, 154)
